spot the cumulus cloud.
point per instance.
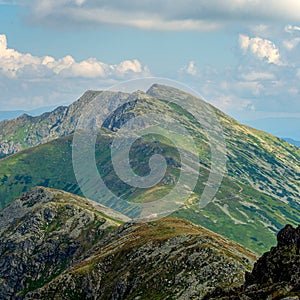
(190, 69)
(162, 15)
(15, 64)
(262, 48)
(291, 44)
(252, 87)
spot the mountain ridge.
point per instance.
(43, 232)
(65, 248)
(292, 141)
(257, 197)
(12, 114)
(27, 131)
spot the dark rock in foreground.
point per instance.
(276, 275)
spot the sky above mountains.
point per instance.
(240, 55)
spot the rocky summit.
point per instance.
(55, 245)
(26, 131)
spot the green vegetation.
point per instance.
(259, 194)
(238, 211)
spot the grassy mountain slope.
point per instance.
(257, 197)
(240, 212)
(254, 157)
(55, 245)
(165, 259)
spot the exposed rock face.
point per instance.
(281, 264)
(60, 246)
(276, 275)
(167, 258)
(42, 233)
(26, 131)
(289, 236)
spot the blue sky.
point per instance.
(241, 55)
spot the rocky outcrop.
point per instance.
(55, 245)
(44, 232)
(281, 264)
(165, 259)
(276, 275)
(289, 236)
(26, 131)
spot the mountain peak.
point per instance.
(157, 88)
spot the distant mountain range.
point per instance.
(257, 197)
(293, 142)
(12, 114)
(279, 126)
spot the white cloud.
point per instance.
(253, 87)
(262, 48)
(164, 14)
(260, 29)
(291, 44)
(293, 91)
(190, 69)
(79, 2)
(257, 76)
(15, 64)
(141, 20)
(291, 29)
